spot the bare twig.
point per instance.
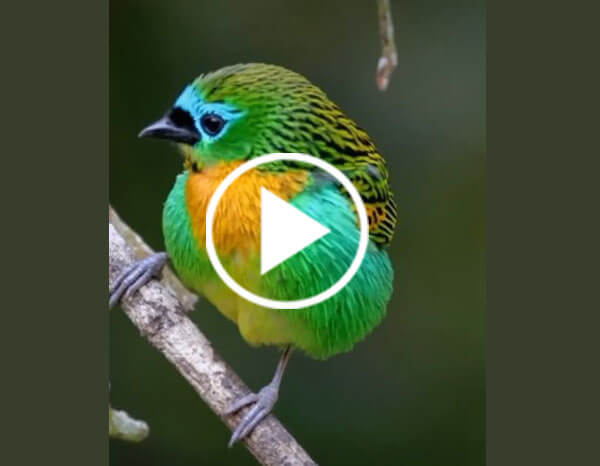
(158, 311)
(389, 58)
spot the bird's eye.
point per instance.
(212, 124)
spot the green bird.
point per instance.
(230, 116)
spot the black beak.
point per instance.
(177, 125)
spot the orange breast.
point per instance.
(237, 220)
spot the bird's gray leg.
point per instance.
(264, 401)
(135, 276)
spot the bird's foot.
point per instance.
(263, 405)
(135, 276)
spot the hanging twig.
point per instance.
(159, 313)
(389, 58)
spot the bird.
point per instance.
(225, 118)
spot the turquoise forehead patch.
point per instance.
(192, 101)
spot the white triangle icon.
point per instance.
(284, 230)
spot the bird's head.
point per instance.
(244, 111)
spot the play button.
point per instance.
(284, 231)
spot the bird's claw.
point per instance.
(263, 405)
(135, 276)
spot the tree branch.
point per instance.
(158, 310)
(389, 57)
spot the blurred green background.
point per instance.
(413, 392)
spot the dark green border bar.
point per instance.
(542, 357)
(55, 184)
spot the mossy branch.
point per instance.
(159, 311)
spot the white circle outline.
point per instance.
(299, 303)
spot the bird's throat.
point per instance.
(236, 228)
